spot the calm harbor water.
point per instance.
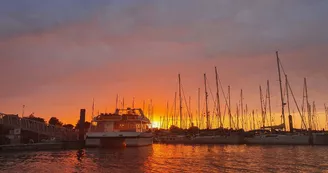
(172, 158)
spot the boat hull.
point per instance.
(107, 140)
(279, 140)
(219, 139)
(203, 140)
(320, 139)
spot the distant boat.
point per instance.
(125, 127)
(280, 138)
(203, 138)
(269, 138)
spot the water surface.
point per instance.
(172, 158)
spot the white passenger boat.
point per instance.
(126, 127)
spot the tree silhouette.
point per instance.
(55, 121)
(39, 119)
(68, 126)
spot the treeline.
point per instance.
(56, 122)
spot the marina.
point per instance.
(157, 86)
(131, 127)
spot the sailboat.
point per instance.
(276, 137)
(219, 136)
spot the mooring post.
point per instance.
(81, 125)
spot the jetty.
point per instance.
(58, 137)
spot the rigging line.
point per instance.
(291, 91)
(225, 98)
(185, 100)
(209, 87)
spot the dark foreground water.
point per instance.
(172, 158)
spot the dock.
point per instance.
(64, 138)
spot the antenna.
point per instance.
(23, 111)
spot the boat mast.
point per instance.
(253, 113)
(133, 103)
(167, 115)
(180, 101)
(218, 109)
(288, 106)
(281, 94)
(229, 108)
(314, 117)
(269, 98)
(116, 101)
(206, 105)
(242, 108)
(237, 114)
(287, 94)
(326, 113)
(199, 112)
(93, 109)
(143, 105)
(190, 113)
(123, 103)
(175, 109)
(308, 105)
(246, 117)
(262, 111)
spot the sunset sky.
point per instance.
(56, 56)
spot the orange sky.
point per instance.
(139, 51)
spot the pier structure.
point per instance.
(18, 123)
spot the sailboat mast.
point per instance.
(253, 115)
(180, 101)
(287, 94)
(116, 101)
(218, 106)
(314, 116)
(288, 105)
(133, 103)
(175, 109)
(167, 115)
(206, 105)
(199, 112)
(246, 117)
(326, 113)
(237, 114)
(262, 111)
(281, 93)
(269, 98)
(190, 113)
(229, 108)
(308, 105)
(242, 109)
(93, 109)
(143, 105)
(123, 103)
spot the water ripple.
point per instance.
(172, 158)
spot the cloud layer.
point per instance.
(57, 55)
